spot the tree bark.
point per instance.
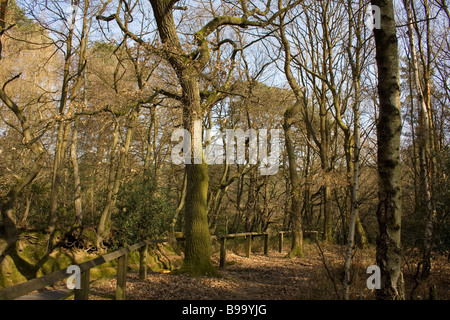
(353, 164)
(76, 178)
(324, 149)
(180, 206)
(296, 218)
(289, 117)
(197, 258)
(250, 206)
(389, 126)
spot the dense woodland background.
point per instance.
(89, 99)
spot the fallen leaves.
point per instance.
(259, 277)
(256, 278)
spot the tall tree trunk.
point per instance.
(238, 217)
(354, 191)
(103, 225)
(424, 145)
(287, 204)
(307, 208)
(68, 96)
(150, 153)
(76, 178)
(325, 164)
(389, 127)
(180, 206)
(56, 179)
(289, 116)
(354, 196)
(251, 201)
(325, 130)
(59, 157)
(197, 258)
(353, 165)
(296, 218)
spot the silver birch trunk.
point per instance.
(389, 127)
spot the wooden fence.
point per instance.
(248, 246)
(312, 234)
(121, 255)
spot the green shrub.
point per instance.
(145, 211)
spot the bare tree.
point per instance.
(188, 69)
(355, 62)
(289, 116)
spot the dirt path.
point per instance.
(271, 277)
(257, 278)
(47, 295)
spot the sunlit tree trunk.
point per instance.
(289, 117)
(76, 177)
(197, 251)
(389, 127)
(296, 218)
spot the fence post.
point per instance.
(248, 247)
(266, 244)
(121, 277)
(83, 292)
(223, 252)
(280, 242)
(143, 262)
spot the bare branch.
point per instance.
(11, 80)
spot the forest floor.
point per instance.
(258, 278)
(317, 275)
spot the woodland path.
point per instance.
(46, 295)
(259, 277)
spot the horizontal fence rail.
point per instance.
(248, 245)
(24, 288)
(21, 289)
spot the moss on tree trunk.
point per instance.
(197, 258)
